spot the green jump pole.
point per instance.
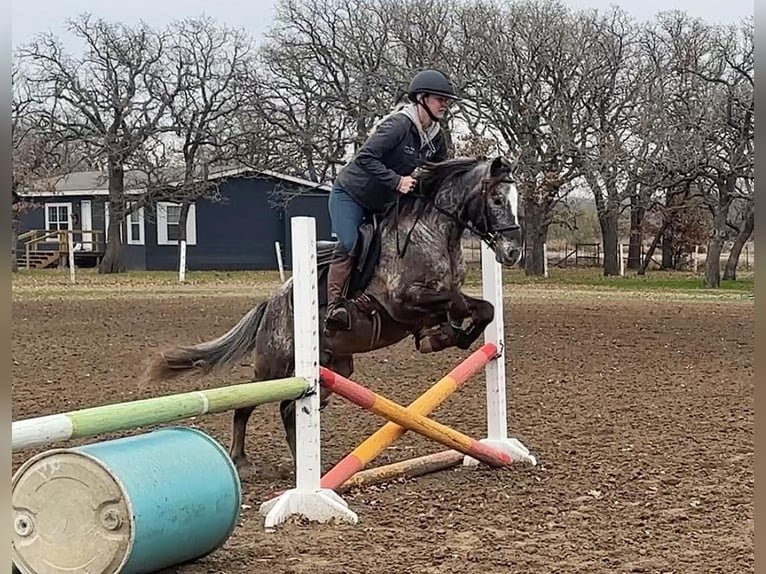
(130, 415)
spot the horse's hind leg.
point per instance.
(268, 366)
(237, 449)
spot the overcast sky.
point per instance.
(30, 17)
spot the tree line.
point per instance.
(654, 119)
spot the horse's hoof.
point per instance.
(426, 346)
(245, 469)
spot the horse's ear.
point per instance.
(500, 167)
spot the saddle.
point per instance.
(364, 257)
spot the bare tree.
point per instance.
(744, 232)
(210, 64)
(324, 80)
(612, 106)
(529, 62)
(704, 134)
(39, 159)
(732, 131)
(717, 63)
(110, 98)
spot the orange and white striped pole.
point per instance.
(398, 414)
(384, 437)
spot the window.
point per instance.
(168, 216)
(135, 226)
(57, 216)
(173, 216)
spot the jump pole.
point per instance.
(398, 414)
(424, 405)
(308, 498)
(409, 468)
(130, 415)
(495, 378)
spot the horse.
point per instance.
(406, 281)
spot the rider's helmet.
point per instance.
(431, 82)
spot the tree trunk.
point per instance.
(712, 262)
(112, 260)
(637, 211)
(668, 247)
(730, 271)
(714, 249)
(536, 234)
(652, 247)
(609, 221)
(726, 187)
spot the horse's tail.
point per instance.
(206, 357)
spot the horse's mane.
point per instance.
(430, 179)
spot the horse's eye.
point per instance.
(498, 200)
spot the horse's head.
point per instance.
(479, 195)
(501, 197)
(500, 224)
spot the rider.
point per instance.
(382, 168)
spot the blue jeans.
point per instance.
(346, 215)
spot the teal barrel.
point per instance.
(132, 505)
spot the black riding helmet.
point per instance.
(431, 82)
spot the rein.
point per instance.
(489, 235)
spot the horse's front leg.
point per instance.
(449, 334)
(430, 302)
(482, 313)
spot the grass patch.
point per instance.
(54, 283)
(593, 278)
(30, 278)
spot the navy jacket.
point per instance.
(394, 150)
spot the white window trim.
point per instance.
(106, 224)
(141, 230)
(68, 205)
(162, 223)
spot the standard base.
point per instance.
(512, 446)
(320, 506)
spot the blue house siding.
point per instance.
(238, 232)
(311, 205)
(133, 256)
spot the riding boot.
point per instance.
(338, 316)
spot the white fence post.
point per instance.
(307, 498)
(494, 372)
(70, 248)
(278, 249)
(182, 262)
(622, 260)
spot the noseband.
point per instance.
(490, 235)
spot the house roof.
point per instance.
(97, 183)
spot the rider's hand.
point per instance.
(406, 184)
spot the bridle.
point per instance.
(490, 235)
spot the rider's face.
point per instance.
(438, 105)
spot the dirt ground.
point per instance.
(640, 413)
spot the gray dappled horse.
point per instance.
(407, 276)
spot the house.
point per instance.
(236, 231)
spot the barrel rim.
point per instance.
(74, 450)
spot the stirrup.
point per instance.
(332, 324)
